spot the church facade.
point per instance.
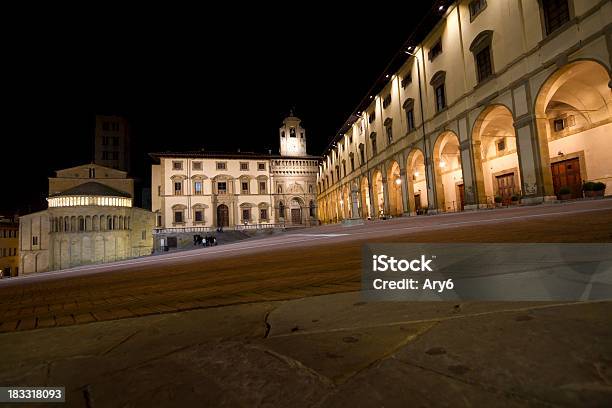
(89, 220)
(201, 191)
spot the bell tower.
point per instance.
(292, 137)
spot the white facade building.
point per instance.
(201, 191)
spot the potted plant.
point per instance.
(498, 201)
(514, 199)
(587, 189)
(599, 189)
(565, 193)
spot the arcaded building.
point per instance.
(9, 247)
(506, 99)
(90, 219)
(201, 191)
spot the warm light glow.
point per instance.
(442, 164)
(74, 201)
(416, 174)
(398, 181)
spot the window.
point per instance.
(177, 165)
(501, 145)
(263, 213)
(389, 130)
(301, 135)
(483, 64)
(481, 48)
(280, 189)
(222, 187)
(362, 153)
(372, 117)
(407, 80)
(244, 166)
(198, 215)
(344, 167)
(435, 50)
(178, 188)
(312, 208)
(245, 187)
(559, 125)
(337, 173)
(178, 216)
(351, 139)
(283, 133)
(105, 126)
(556, 13)
(352, 163)
(292, 132)
(34, 240)
(262, 187)
(197, 187)
(105, 140)
(373, 139)
(159, 190)
(196, 165)
(92, 173)
(410, 119)
(387, 101)
(440, 98)
(221, 165)
(246, 214)
(143, 235)
(261, 166)
(159, 220)
(476, 7)
(81, 224)
(115, 141)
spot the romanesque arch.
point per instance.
(394, 186)
(573, 112)
(417, 181)
(496, 160)
(378, 192)
(365, 198)
(448, 172)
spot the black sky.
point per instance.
(185, 79)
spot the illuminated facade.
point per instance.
(90, 219)
(9, 247)
(498, 101)
(205, 190)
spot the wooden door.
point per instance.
(417, 202)
(566, 173)
(296, 215)
(461, 196)
(222, 216)
(505, 187)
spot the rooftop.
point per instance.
(92, 189)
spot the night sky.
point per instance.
(186, 79)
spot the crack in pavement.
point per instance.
(436, 320)
(127, 338)
(487, 387)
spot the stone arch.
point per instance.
(448, 172)
(394, 186)
(365, 198)
(573, 115)
(416, 181)
(378, 193)
(495, 155)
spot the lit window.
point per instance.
(197, 187)
(178, 188)
(222, 187)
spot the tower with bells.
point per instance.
(292, 137)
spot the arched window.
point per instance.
(483, 58)
(312, 208)
(109, 223)
(280, 189)
(438, 84)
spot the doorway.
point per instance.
(566, 173)
(222, 216)
(505, 187)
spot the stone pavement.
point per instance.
(327, 351)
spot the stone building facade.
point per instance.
(500, 99)
(201, 191)
(9, 247)
(90, 220)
